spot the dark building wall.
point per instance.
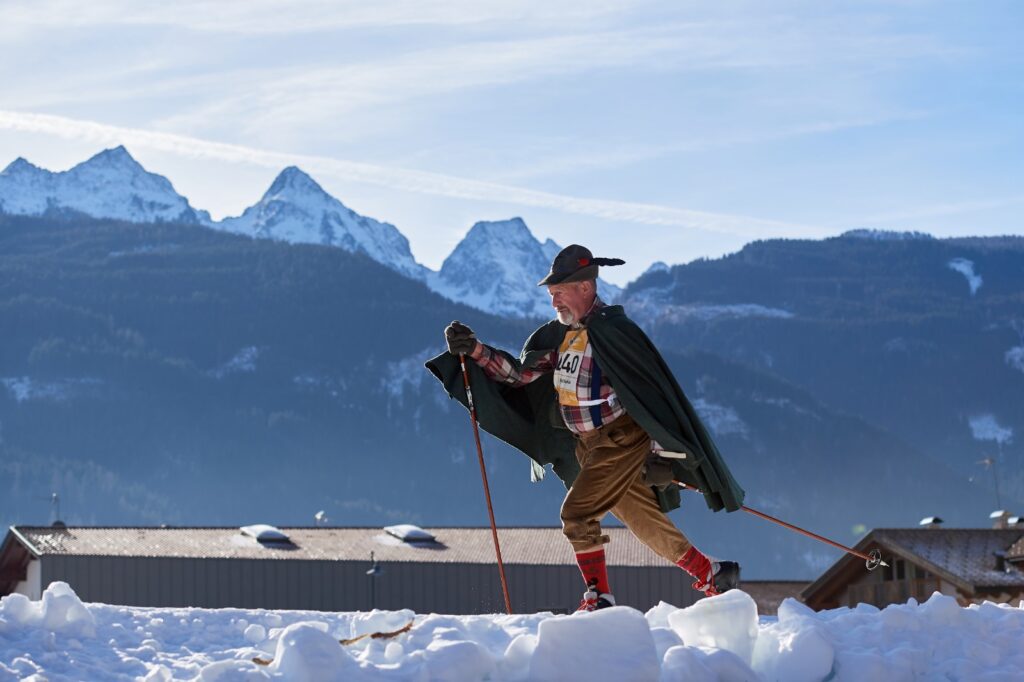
(344, 585)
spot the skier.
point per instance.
(615, 426)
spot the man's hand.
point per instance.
(460, 338)
(658, 472)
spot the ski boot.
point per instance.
(594, 600)
(724, 576)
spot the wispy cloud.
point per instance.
(310, 94)
(943, 209)
(272, 16)
(329, 95)
(436, 184)
(541, 164)
(261, 94)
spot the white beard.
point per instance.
(566, 318)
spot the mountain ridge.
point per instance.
(297, 210)
(110, 184)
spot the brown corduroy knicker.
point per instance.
(611, 461)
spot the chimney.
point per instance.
(1000, 519)
(930, 522)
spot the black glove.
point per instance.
(460, 338)
(658, 472)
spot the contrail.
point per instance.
(421, 182)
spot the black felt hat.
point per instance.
(575, 263)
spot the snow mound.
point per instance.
(306, 653)
(935, 640)
(700, 663)
(365, 623)
(721, 638)
(59, 611)
(795, 648)
(589, 646)
(728, 621)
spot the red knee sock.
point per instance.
(594, 569)
(696, 564)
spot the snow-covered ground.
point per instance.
(722, 638)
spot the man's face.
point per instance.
(571, 300)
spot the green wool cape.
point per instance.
(527, 417)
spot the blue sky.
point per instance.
(645, 130)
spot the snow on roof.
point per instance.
(532, 546)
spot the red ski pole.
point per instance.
(872, 560)
(483, 474)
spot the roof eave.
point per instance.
(32, 549)
(879, 537)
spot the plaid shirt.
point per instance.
(591, 385)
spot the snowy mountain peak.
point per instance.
(296, 209)
(500, 229)
(111, 184)
(115, 170)
(294, 179)
(22, 166)
(496, 268)
(116, 157)
(498, 237)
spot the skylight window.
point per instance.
(261, 532)
(406, 532)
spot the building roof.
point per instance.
(965, 557)
(533, 546)
(1016, 550)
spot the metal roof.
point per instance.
(963, 556)
(534, 546)
(964, 553)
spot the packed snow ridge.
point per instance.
(720, 638)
